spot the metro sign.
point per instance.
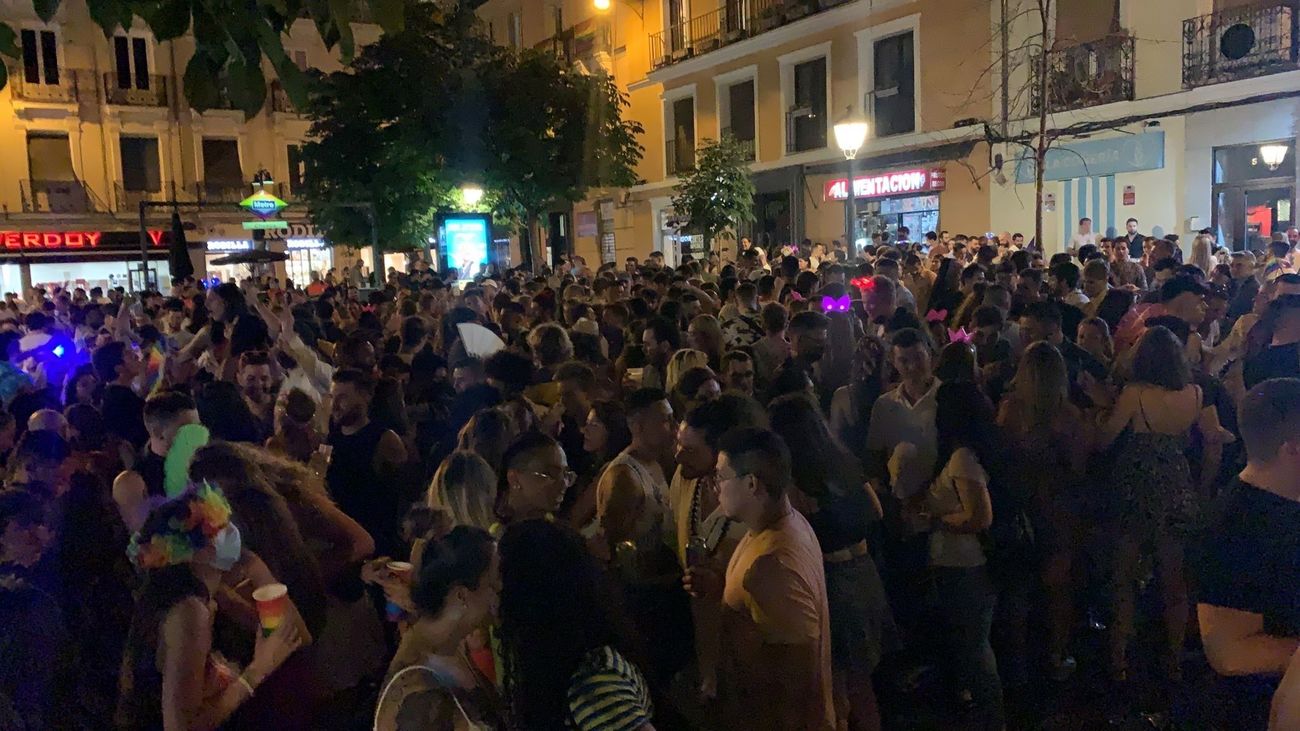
(263, 204)
(903, 182)
(60, 240)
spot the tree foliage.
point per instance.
(422, 112)
(231, 39)
(718, 194)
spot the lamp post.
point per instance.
(850, 134)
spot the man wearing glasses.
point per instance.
(775, 668)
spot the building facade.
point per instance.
(95, 124)
(1182, 114)
(777, 76)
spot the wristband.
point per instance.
(244, 682)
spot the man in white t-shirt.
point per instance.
(1085, 235)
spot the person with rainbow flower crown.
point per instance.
(171, 678)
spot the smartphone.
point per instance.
(697, 552)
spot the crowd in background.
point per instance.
(782, 491)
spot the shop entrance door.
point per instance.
(1247, 216)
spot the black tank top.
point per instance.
(356, 487)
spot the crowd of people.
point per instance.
(779, 492)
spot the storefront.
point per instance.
(307, 256)
(85, 259)
(1254, 188)
(218, 248)
(886, 202)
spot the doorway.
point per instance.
(1252, 199)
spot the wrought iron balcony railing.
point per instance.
(280, 101)
(746, 145)
(135, 91)
(63, 91)
(129, 200)
(1241, 43)
(679, 158)
(1087, 74)
(222, 191)
(587, 47)
(55, 196)
(735, 21)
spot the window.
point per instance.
(514, 32)
(40, 57)
(131, 62)
(140, 170)
(680, 148)
(893, 95)
(297, 169)
(49, 157)
(806, 124)
(221, 163)
(740, 98)
(559, 19)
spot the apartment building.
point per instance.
(777, 75)
(1183, 114)
(95, 124)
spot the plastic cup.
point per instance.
(272, 601)
(636, 374)
(401, 569)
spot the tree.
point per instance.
(231, 38)
(529, 131)
(718, 194)
(555, 134)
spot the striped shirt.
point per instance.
(608, 693)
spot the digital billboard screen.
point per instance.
(466, 242)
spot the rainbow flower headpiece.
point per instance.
(179, 528)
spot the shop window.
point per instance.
(40, 57)
(806, 122)
(1246, 162)
(140, 171)
(297, 169)
(893, 95)
(49, 157)
(131, 62)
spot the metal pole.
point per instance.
(376, 257)
(144, 252)
(853, 212)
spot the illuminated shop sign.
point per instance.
(76, 240)
(310, 242)
(224, 245)
(903, 182)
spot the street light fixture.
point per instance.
(262, 178)
(471, 194)
(850, 134)
(636, 6)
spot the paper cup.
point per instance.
(401, 569)
(272, 601)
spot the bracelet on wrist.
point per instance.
(244, 682)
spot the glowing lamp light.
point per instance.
(58, 351)
(601, 5)
(471, 194)
(1272, 155)
(850, 133)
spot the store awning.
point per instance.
(914, 157)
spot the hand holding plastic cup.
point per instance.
(401, 572)
(272, 604)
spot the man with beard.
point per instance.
(364, 459)
(660, 339)
(255, 384)
(704, 534)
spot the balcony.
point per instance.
(62, 92)
(222, 191)
(129, 200)
(55, 196)
(746, 145)
(732, 23)
(586, 47)
(678, 158)
(129, 91)
(280, 102)
(1241, 43)
(1086, 75)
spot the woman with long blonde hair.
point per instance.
(1042, 428)
(465, 486)
(1201, 257)
(680, 362)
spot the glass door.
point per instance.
(1246, 217)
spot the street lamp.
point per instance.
(262, 178)
(850, 134)
(471, 194)
(601, 5)
(604, 5)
